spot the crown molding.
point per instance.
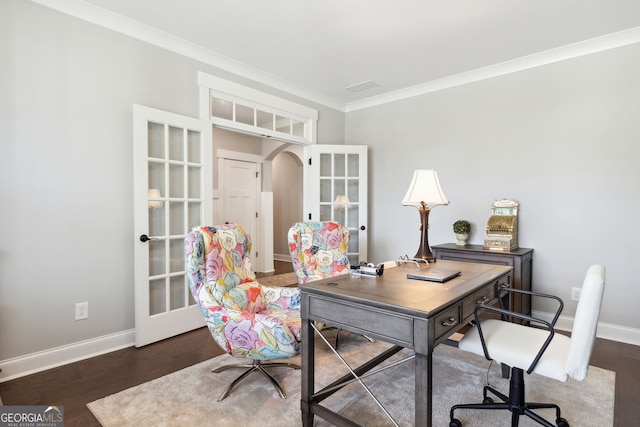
(586, 47)
(137, 30)
(129, 27)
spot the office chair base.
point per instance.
(256, 366)
(514, 402)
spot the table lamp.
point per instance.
(154, 194)
(425, 193)
(341, 202)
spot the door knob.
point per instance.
(144, 238)
(362, 227)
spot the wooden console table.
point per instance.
(520, 259)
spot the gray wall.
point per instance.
(66, 216)
(563, 139)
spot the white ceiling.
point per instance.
(322, 47)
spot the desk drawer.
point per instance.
(447, 322)
(388, 325)
(483, 296)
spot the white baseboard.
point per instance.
(282, 257)
(47, 359)
(605, 331)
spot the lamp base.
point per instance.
(424, 251)
(428, 258)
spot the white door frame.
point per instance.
(183, 177)
(214, 90)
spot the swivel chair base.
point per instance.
(256, 366)
(514, 402)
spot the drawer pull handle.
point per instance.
(450, 322)
(504, 285)
(482, 300)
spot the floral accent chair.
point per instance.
(248, 320)
(319, 250)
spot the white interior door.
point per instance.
(336, 190)
(172, 193)
(240, 186)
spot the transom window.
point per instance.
(247, 110)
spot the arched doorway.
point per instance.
(287, 187)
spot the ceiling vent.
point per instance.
(359, 87)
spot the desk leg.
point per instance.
(307, 372)
(424, 391)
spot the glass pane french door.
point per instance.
(337, 191)
(172, 188)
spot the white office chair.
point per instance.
(535, 348)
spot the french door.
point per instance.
(172, 189)
(336, 190)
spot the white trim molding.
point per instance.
(63, 355)
(214, 90)
(583, 48)
(59, 356)
(605, 331)
(282, 257)
(137, 30)
(129, 27)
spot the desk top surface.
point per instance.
(395, 291)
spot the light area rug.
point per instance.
(188, 397)
(285, 279)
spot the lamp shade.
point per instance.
(425, 188)
(341, 201)
(154, 193)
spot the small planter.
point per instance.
(462, 239)
(462, 229)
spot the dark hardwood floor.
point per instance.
(76, 384)
(624, 360)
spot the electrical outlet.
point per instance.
(575, 294)
(82, 310)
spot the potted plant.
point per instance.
(462, 228)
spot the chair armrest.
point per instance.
(506, 313)
(502, 291)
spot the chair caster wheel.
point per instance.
(487, 401)
(455, 423)
(561, 422)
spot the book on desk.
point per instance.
(439, 275)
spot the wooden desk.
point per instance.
(521, 259)
(408, 313)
